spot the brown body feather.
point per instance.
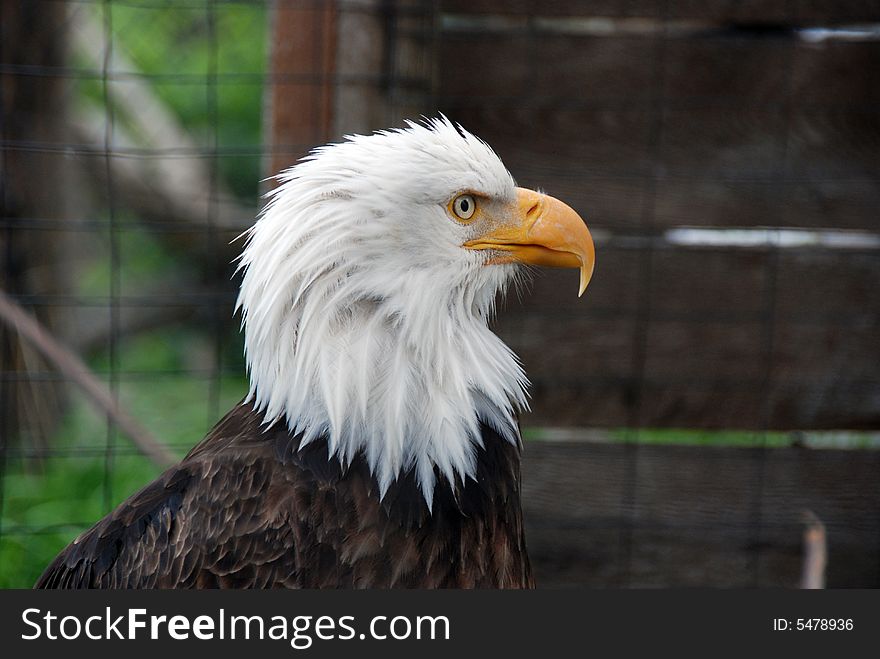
(247, 508)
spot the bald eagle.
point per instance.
(379, 444)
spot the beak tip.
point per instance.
(586, 275)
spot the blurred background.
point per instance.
(707, 415)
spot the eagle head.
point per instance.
(369, 281)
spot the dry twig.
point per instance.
(72, 367)
(815, 552)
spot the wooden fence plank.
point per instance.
(699, 516)
(838, 284)
(716, 11)
(717, 348)
(641, 130)
(739, 131)
(712, 285)
(300, 112)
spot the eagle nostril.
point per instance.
(533, 210)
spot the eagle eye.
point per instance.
(464, 206)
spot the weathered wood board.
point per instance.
(715, 114)
(711, 130)
(729, 338)
(721, 11)
(608, 515)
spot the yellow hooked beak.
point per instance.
(541, 230)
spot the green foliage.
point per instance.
(697, 437)
(750, 439)
(143, 261)
(67, 488)
(829, 439)
(210, 74)
(48, 502)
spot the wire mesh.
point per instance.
(132, 154)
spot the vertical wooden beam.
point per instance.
(35, 184)
(352, 68)
(303, 68)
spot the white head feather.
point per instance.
(365, 320)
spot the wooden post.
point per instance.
(302, 66)
(346, 69)
(35, 184)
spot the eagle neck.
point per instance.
(406, 386)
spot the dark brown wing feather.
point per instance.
(247, 508)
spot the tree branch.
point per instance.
(72, 367)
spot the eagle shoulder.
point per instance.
(206, 522)
(250, 507)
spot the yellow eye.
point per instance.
(464, 206)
